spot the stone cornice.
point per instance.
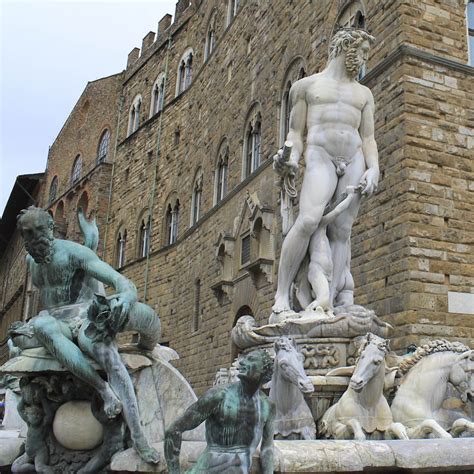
(410, 51)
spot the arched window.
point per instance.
(221, 173)
(158, 95)
(210, 36)
(252, 144)
(53, 190)
(76, 169)
(134, 115)
(103, 147)
(470, 28)
(196, 198)
(144, 237)
(232, 7)
(121, 245)
(172, 221)
(295, 71)
(185, 72)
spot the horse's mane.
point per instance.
(432, 347)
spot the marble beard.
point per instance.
(341, 166)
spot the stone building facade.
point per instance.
(188, 208)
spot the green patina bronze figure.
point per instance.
(237, 416)
(76, 321)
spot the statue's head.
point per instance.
(36, 227)
(256, 367)
(34, 415)
(355, 45)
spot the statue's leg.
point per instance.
(426, 428)
(339, 231)
(108, 357)
(318, 187)
(320, 269)
(341, 431)
(396, 431)
(143, 319)
(460, 426)
(56, 337)
(41, 462)
(356, 429)
(23, 464)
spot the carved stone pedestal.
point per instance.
(66, 423)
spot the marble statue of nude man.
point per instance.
(64, 272)
(238, 416)
(338, 114)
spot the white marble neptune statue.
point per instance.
(341, 164)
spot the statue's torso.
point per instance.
(334, 111)
(238, 420)
(59, 281)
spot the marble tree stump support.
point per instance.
(238, 417)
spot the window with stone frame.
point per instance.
(252, 145)
(158, 95)
(470, 30)
(76, 169)
(144, 234)
(352, 16)
(196, 200)
(134, 115)
(53, 190)
(185, 72)
(245, 249)
(232, 7)
(210, 37)
(103, 148)
(221, 173)
(121, 244)
(172, 223)
(295, 71)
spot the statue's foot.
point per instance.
(112, 405)
(283, 316)
(281, 305)
(146, 452)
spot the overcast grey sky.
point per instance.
(49, 51)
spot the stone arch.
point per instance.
(296, 70)
(134, 114)
(158, 94)
(184, 71)
(211, 38)
(60, 222)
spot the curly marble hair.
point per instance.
(348, 38)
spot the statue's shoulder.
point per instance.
(73, 249)
(302, 85)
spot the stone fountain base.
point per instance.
(424, 455)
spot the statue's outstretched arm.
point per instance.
(96, 268)
(266, 449)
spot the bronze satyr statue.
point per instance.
(237, 417)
